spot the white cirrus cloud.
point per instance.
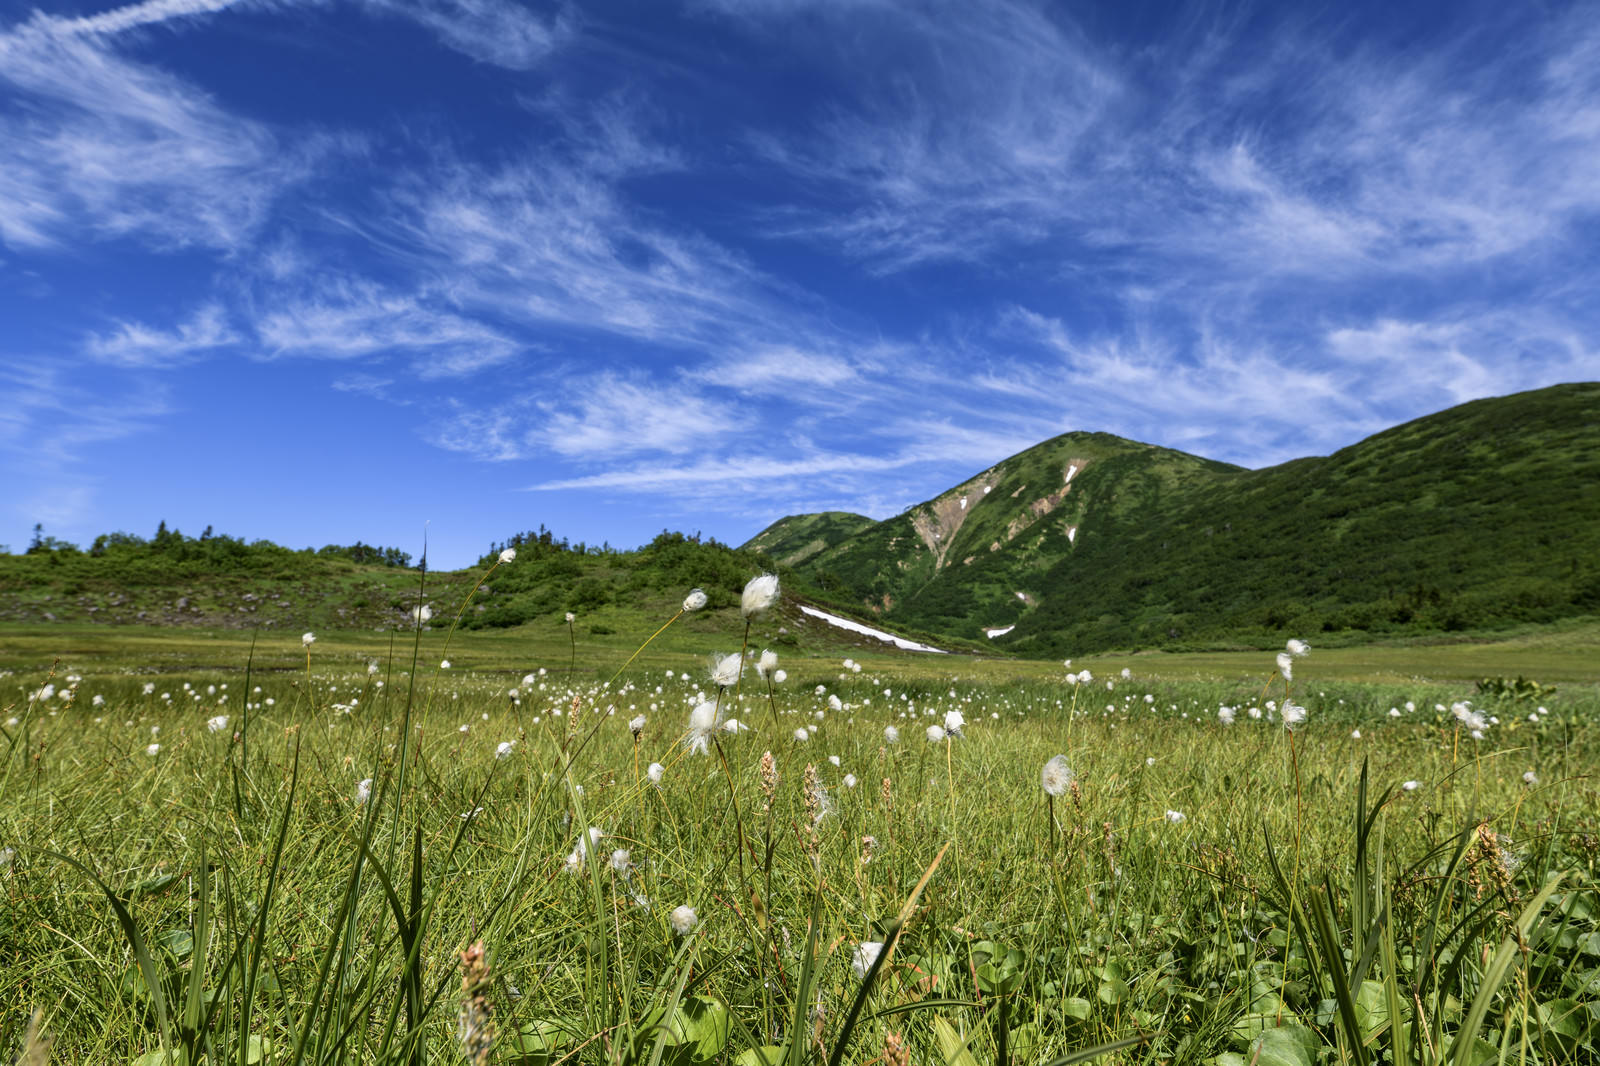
(135, 344)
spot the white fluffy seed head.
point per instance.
(1056, 777)
(684, 920)
(695, 600)
(1298, 647)
(1286, 666)
(767, 663)
(308, 639)
(725, 670)
(935, 734)
(508, 555)
(759, 594)
(863, 957)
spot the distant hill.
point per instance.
(1482, 516)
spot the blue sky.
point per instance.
(322, 271)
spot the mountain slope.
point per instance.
(1484, 515)
(791, 541)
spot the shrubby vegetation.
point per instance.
(1482, 517)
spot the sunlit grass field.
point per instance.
(226, 851)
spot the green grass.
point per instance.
(229, 896)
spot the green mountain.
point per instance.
(1483, 516)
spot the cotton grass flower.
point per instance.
(725, 670)
(217, 723)
(801, 736)
(308, 638)
(935, 734)
(422, 614)
(1176, 817)
(636, 725)
(1286, 665)
(503, 750)
(767, 663)
(654, 772)
(702, 724)
(862, 959)
(760, 593)
(953, 721)
(1297, 648)
(508, 555)
(1411, 786)
(1530, 778)
(779, 677)
(363, 790)
(1293, 714)
(1056, 777)
(683, 920)
(695, 600)
(891, 735)
(152, 750)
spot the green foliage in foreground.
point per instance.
(230, 891)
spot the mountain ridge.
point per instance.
(1483, 514)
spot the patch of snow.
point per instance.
(857, 627)
(988, 489)
(1002, 631)
(963, 503)
(1073, 469)
(1022, 596)
(1072, 534)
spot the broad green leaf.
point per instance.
(1077, 1007)
(951, 1046)
(1285, 1045)
(766, 1055)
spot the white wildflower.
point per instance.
(935, 734)
(779, 677)
(725, 670)
(152, 749)
(801, 735)
(1530, 778)
(636, 724)
(694, 601)
(1293, 714)
(759, 594)
(1286, 665)
(217, 723)
(1056, 777)
(308, 639)
(863, 957)
(702, 723)
(891, 735)
(1298, 648)
(683, 920)
(364, 790)
(953, 721)
(1175, 817)
(767, 663)
(503, 749)
(508, 555)
(654, 773)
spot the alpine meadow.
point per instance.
(799, 533)
(689, 804)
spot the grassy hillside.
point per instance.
(1484, 516)
(793, 540)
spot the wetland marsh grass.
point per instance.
(418, 865)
